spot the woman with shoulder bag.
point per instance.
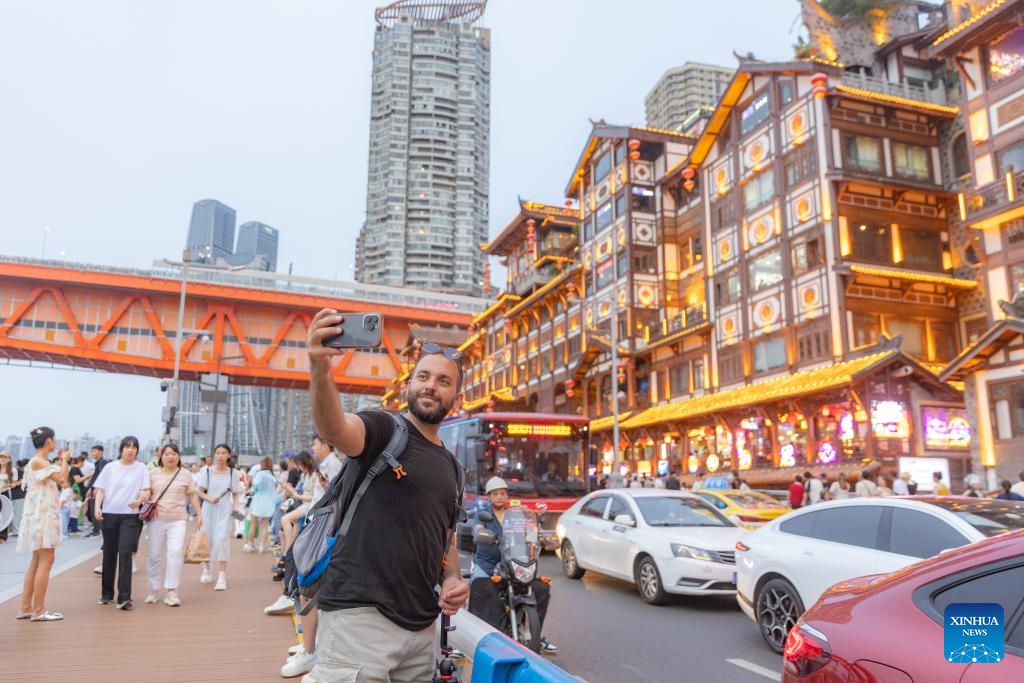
(121, 489)
(166, 528)
(220, 487)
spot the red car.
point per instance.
(889, 627)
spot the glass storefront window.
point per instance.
(602, 167)
(753, 443)
(770, 354)
(792, 437)
(759, 190)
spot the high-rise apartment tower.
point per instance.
(682, 90)
(427, 195)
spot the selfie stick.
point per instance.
(446, 670)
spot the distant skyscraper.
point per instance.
(257, 239)
(211, 232)
(429, 169)
(682, 90)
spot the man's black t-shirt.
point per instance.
(391, 557)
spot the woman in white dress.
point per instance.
(40, 526)
(220, 487)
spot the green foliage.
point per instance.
(854, 8)
(801, 48)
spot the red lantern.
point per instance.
(570, 393)
(820, 83)
(490, 405)
(508, 325)
(570, 383)
(530, 223)
(570, 291)
(689, 173)
(635, 155)
(634, 144)
(568, 203)
(688, 185)
(622, 377)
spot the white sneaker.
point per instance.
(98, 571)
(151, 599)
(283, 605)
(300, 664)
(172, 599)
(308, 678)
(207, 577)
(222, 584)
(295, 649)
(134, 567)
(247, 548)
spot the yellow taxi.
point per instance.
(749, 509)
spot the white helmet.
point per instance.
(495, 483)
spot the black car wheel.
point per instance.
(778, 607)
(569, 564)
(648, 582)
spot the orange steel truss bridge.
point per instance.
(249, 325)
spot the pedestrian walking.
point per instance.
(39, 532)
(797, 492)
(18, 495)
(96, 462)
(172, 487)
(899, 484)
(378, 605)
(220, 487)
(1007, 492)
(261, 507)
(120, 489)
(939, 488)
(840, 488)
(865, 488)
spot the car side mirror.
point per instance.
(625, 520)
(484, 537)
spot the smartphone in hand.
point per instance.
(358, 330)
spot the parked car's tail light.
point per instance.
(806, 650)
(742, 547)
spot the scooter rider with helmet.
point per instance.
(484, 599)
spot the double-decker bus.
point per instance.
(542, 456)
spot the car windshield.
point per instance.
(752, 500)
(673, 511)
(990, 517)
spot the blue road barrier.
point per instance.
(499, 659)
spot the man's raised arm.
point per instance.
(346, 431)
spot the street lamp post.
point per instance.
(174, 395)
(615, 381)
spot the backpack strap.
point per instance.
(388, 457)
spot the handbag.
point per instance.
(198, 550)
(148, 510)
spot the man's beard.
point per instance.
(431, 417)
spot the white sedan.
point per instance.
(786, 565)
(663, 541)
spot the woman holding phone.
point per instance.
(220, 486)
(121, 489)
(40, 524)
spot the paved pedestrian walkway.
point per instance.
(213, 636)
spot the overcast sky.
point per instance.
(117, 115)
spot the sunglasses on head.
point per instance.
(429, 348)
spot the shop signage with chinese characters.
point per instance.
(945, 428)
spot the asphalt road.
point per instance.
(605, 632)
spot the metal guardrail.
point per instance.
(499, 659)
(902, 89)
